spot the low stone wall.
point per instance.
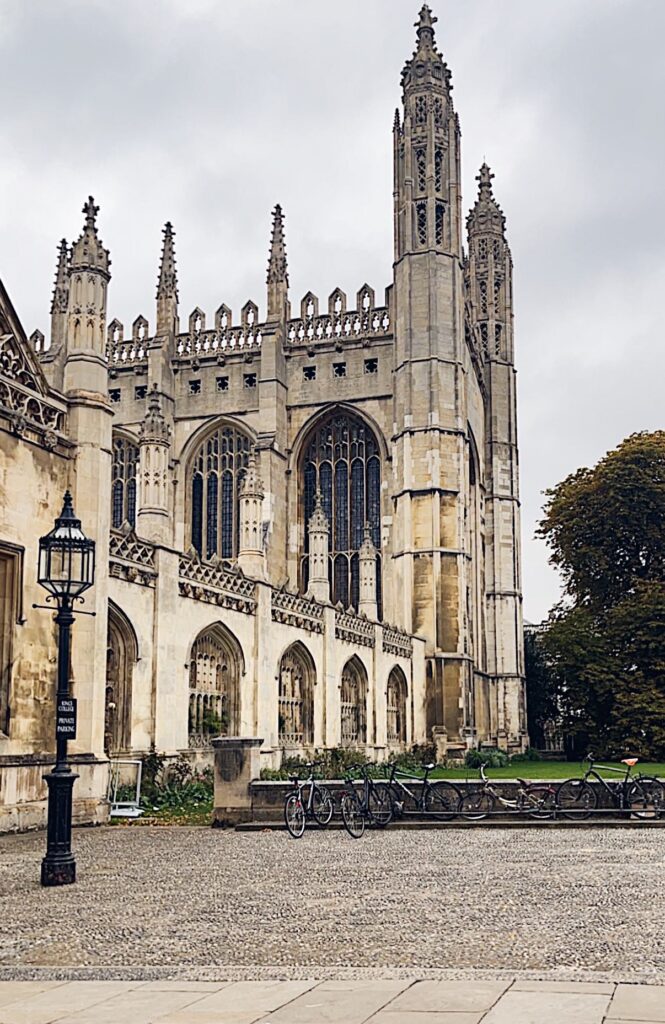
(23, 792)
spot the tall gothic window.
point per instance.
(214, 482)
(215, 667)
(342, 460)
(121, 655)
(123, 486)
(396, 707)
(296, 698)
(353, 703)
(11, 570)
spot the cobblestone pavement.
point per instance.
(347, 1002)
(151, 901)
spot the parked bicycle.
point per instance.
(643, 796)
(368, 805)
(315, 805)
(438, 799)
(536, 799)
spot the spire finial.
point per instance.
(61, 286)
(90, 211)
(277, 268)
(167, 283)
(154, 426)
(484, 178)
(426, 20)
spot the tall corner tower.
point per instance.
(490, 287)
(430, 417)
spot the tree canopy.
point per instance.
(605, 643)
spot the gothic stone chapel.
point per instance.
(272, 562)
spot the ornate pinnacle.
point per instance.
(251, 484)
(318, 521)
(167, 284)
(90, 211)
(485, 179)
(277, 269)
(61, 287)
(367, 548)
(396, 120)
(426, 20)
(154, 426)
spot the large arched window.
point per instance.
(396, 707)
(353, 703)
(296, 698)
(121, 655)
(214, 481)
(215, 667)
(341, 458)
(123, 486)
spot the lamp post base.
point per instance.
(59, 865)
(62, 872)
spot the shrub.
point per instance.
(491, 757)
(530, 754)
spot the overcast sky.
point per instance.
(208, 112)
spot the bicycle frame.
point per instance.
(617, 795)
(396, 784)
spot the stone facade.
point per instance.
(307, 523)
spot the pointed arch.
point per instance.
(122, 653)
(218, 457)
(295, 705)
(342, 457)
(216, 665)
(396, 694)
(353, 703)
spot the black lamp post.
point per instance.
(66, 570)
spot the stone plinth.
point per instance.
(236, 765)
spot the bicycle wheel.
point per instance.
(380, 804)
(476, 804)
(352, 815)
(576, 799)
(442, 801)
(540, 802)
(294, 815)
(322, 805)
(655, 797)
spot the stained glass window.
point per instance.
(123, 487)
(342, 460)
(215, 474)
(396, 707)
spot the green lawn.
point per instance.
(542, 770)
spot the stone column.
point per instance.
(319, 541)
(237, 763)
(153, 506)
(251, 556)
(367, 563)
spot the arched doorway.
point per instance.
(353, 703)
(396, 707)
(295, 710)
(216, 665)
(121, 655)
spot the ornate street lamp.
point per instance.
(66, 569)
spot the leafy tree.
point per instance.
(542, 700)
(606, 641)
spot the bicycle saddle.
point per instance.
(523, 782)
(428, 767)
(630, 761)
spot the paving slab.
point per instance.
(457, 996)
(174, 985)
(409, 1017)
(638, 1003)
(63, 1000)
(130, 1007)
(13, 991)
(337, 1006)
(549, 1008)
(593, 987)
